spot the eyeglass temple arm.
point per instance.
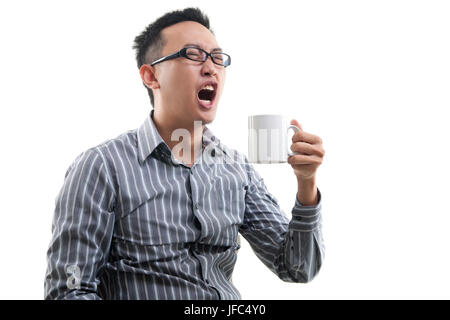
(170, 56)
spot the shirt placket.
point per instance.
(199, 249)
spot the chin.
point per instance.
(208, 121)
(204, 115)
(207, 118)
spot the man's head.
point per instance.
(174, 84)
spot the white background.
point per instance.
(369, 77)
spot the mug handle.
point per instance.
(296, 129)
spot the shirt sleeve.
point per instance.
(293, 249)
(82, 229)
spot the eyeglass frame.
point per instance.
(182, 53)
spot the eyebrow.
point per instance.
(198, 46)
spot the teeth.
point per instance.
(209, 87)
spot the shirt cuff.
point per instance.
(306, 218)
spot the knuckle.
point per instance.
(321, 152)
(314, 149)
(294, 138)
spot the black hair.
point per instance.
(149, 43)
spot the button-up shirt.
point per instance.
(131, 222)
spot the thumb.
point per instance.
(295, 123)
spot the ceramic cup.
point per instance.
(268, 138)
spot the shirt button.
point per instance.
(196, 206)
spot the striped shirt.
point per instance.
(130, 222)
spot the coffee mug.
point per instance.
(268, 138)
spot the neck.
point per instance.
(184, 138)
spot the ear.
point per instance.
(148, 76)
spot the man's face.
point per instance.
(181, 79)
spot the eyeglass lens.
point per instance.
(198, 55)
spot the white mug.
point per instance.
(268, 138)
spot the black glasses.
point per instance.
(197, 54)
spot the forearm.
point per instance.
(307, 191)
(74, 258)
(294, 249)
(304, 248)
(82, 229)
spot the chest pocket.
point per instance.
(229, 193)
(163, 217)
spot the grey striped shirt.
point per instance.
(132, 223)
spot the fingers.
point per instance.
(306, 143)
(308, 149)
(297, 124)
(303, 136)
(305, 159)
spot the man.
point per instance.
(138, 218)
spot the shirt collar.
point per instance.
(209, 138)
(149, 138)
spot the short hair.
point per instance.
(149, 43)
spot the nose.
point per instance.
(209, 68)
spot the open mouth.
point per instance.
(207, 94)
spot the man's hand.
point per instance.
(306, 163)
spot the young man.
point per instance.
(137, 219)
